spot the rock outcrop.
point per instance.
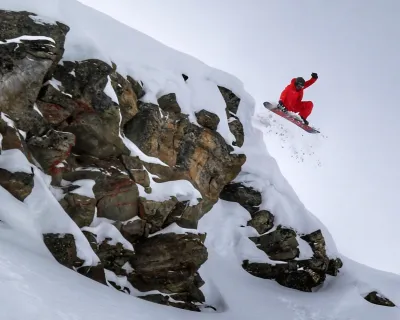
(192, 153)
(72, 119)
(26, 64)
(281, 244)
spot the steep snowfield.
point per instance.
(35, 286)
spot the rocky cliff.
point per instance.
(84, 123)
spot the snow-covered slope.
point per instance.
(35, 286)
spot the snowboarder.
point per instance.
(291, 96)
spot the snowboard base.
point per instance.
(273, 108)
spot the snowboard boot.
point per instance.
(305, 121)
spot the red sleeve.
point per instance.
(309, 83)
(283, 95)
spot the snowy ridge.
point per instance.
(30, 271)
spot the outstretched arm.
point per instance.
(310, 82)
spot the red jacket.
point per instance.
(290, 97)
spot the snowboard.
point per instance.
(273, 108)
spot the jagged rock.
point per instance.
(292, 274)
(193, 153)
(113, 257)
(26, 65)
(231, 100)
(247, 197)
(115, 192)
(187, 216)
(63, 248)
(19, 184)
(80, 208)
(95, 273)
(135, 230)
(51, 150)
(55, 106)
(236, 127)
(137, 87)
(376, 298)
(334, 266)
(262, 221)
(169, 104)
(121, 203)
(317, 243)
(207, 119)
(92, 109)
(303, 275)
(280, 244)
(156, 212)
(12, 139)
(232, 105)
(136, 170)
(16, 24)
(155, 136)
(126, 97)
(168, 263)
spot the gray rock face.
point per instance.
(116, 193)
(51, 149)
(195, 154)
(135, 230)
(92, 116)
(127, 97)
(25, 66)
(137, 171)
(156, 212)
(169, 263)
(81, 209)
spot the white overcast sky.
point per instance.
(354, 47)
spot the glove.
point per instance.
(282, 106)
(314, 75)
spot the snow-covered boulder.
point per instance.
(376, 298)
(19, 184)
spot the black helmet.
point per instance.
(300, 81)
